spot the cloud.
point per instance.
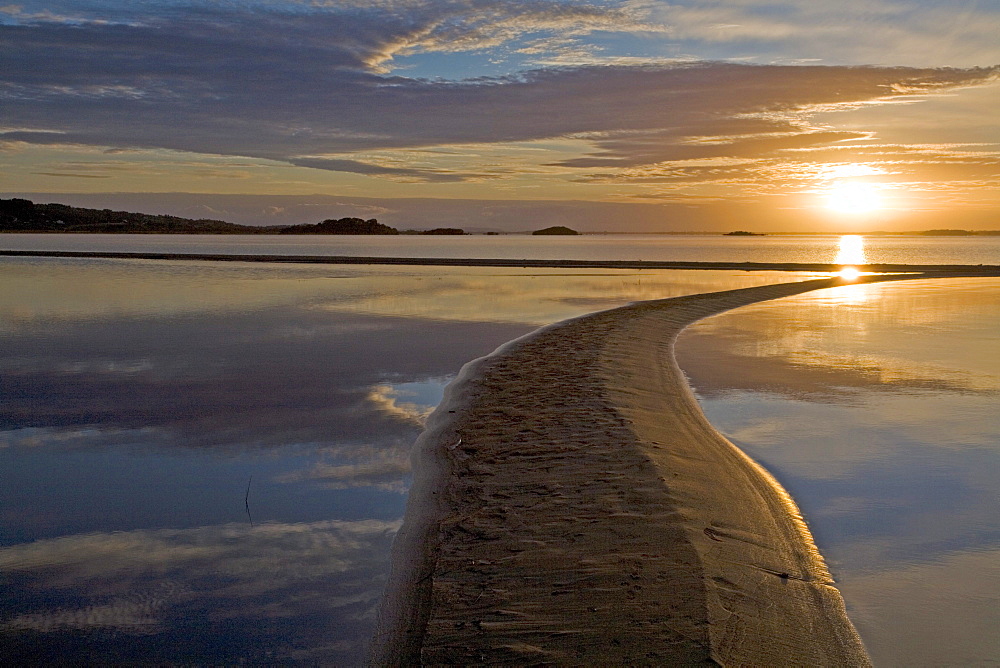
(852, 31)
(358, 167)
(307, 86)
(74, 176)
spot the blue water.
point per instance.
(876, 407)
(207, 462)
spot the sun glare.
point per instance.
(854, 198)
(849, 274)
(850, 251)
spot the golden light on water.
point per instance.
(849, 273)
(851, 251)
(854, 198)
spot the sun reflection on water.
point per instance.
(849, 273)
(851, 251)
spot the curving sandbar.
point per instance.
(572, 505)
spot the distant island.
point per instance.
(22, 215)
(557, 229)
(439, 231)
(341, 226)
(950, 233)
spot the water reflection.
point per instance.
(850, 251)
(54, 290)
(879, 416)
(139, 399)
(167, 595)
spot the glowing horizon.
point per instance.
(739, 113)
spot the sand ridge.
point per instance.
(944, 270)
(573, 506)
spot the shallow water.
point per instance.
(876, 407)
(143, 400)
(848, 249)
(206, 463)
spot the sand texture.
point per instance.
(573, 506)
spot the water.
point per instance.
(207, 462)
(693, 248)
(875, 406)
(143, 400)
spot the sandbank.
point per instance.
(943, 269)
(572, 505)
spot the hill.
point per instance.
(557, 229)
(22, 215)
(341, 226)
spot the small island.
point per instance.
(744, 233)
(341, 226)
(556, 230)
(443, 231)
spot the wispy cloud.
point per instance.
(617, 100)
(305, 87)
(920, 32)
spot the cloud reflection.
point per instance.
(829, 344)
(139, 582)
(879, 416)
(900, 611)
(309, 379)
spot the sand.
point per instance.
(572, 505)
(942, 269)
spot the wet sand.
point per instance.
(943, 269)
(573, 506)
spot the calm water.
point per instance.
(876, 407)
(142, 401)
(206, 463)
(714, 248)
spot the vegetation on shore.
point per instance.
(556, 229)
(341, 226)
(22, 215)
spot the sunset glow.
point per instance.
(621, 116)
(854, 198)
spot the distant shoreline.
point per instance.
(943, 269)
(269, 231)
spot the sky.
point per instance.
(613, 115)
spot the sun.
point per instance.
(854, 198)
